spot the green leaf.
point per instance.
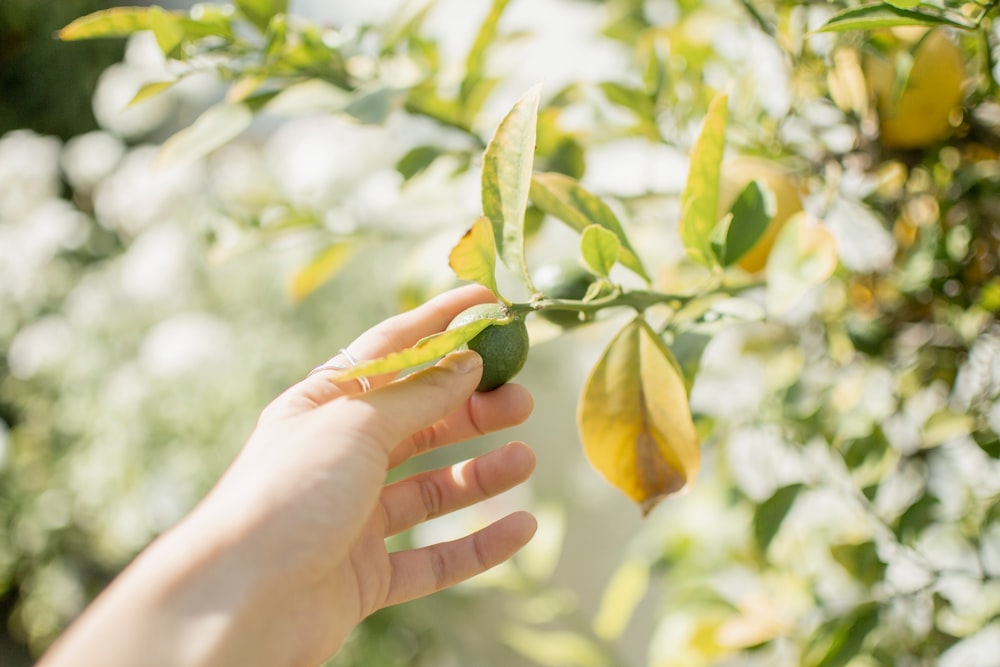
(564, 198)
(634, 420)
(426, 350)
(319, 271)
(840, 640)
(861, 561)
(417, 160)
(476, 58)
(506, 180)
(700, 199)
(212, 129)
(883, 15)
(115, 22)
(372, 107)
(474, 258)
(260, 12)
(600, 249)
(769, 515)
(751, 212)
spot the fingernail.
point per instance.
(463, 362)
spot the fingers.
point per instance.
(483, 413)
(424, 496)
(384, 418)
(391, 335)
(420, 572)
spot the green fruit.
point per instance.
(567, 280)
(503, 347)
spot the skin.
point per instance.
(286, 555)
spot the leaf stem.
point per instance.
(639, 300)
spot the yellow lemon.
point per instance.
(921, 113)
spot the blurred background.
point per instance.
(846, 510)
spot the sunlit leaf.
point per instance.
(426, 350)
(753, 209)
(804, 255)
(150, 90)
(554, 648)
(167, 29)
(700, 199)
(244, 87)
(634, 419)
(628, 586)
(884, 15)
(260, 12)
(474, 257)
(564, 198)
(115, 22)
(506, 180)
(600, 249)
(214, 128)
(769, 515)
(319, 271)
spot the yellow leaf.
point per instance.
(316, 273)
(634, 418)
(474, 257)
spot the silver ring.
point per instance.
(363, 381)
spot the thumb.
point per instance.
(400, 409)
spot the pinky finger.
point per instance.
(420, 572)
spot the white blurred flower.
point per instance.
(635, 166)
(29, 172)
(158, 264)
(41, 345)
(862, 239)
(317, 160)
(140, 192)
(186, 344)
(730, 382)
(761, 461)
(978, 650)
(29, 245)
(239, 176)
(116, 88)
(89, 158)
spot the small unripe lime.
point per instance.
(503, 347)
(567, 280)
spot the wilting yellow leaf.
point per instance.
(474, 257)
(634, 418)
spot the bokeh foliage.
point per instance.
(846, 508)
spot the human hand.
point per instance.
(290, 545)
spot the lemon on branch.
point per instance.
(921, 111)
(503, 347)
